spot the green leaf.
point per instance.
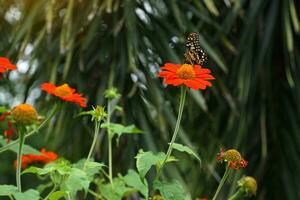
(120, 129)
(76, 181)
(26, 148)
(58, 195)
(132, 178)
(28, 195)
(145, 160)
(91, 167)
(3, 109)
(7, 190)
(170, 191)
(182, 148)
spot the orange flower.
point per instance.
(193, 77)
(44, 158)
(5, 65)
(64, 92)
(9, 133)
(233, 157)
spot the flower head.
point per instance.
(233, 157)
(191, 76)
(248, 185)
(111, 93)
(64, 92)
(5, 65)
(43, 158)
(24, 114)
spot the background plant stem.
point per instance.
(109, 137)
(97, 126)
(226, 173)
(236, 195)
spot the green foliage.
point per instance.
(170, 190)
(12, 191)
(145, 160)
(27, 149)
(119, 129)
(186, 149)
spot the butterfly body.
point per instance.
(194, 53)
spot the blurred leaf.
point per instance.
(170, 190)
(182, 148)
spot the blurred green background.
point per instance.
(253, 48)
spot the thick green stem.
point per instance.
(97, 126)
(11, 144)
(176, 130)
(221, 182)
(109, 137)
(19, 159)
(237, 195)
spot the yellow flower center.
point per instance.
(233, 155)
(24, 114)
(63, 90)
(186, 72)
(249, 185)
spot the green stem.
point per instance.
(53, 190)
(237, 195)
(221, 182)
(97, 127)
(177, 126)
(19, 160)
(8, 146)
(109, 137)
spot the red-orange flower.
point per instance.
(5, 65)
(43, 158)
(64, 92)
(233, 158)
(9, 132)
(193, 77)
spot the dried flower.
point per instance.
(191, 76)
(64, 92)
(24, 114)
(233, 157)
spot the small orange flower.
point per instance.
(5, 65)
(9, 132)
(44, 158)
(64, 92)
(233, 157)
(193, 77)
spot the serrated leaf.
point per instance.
(28, 195)
(120, 129)
(145, 160)
(170, 190)
(7, 190)
(91, 168)
(182, 148)
(132, 178)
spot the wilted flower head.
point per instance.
(24, 114)
(233, 157)
(248, 185)
(112, 93)
(64, 92)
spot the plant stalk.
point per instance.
(19, 160)
(109, 137)
(226, 173)
(237, 195)
(176, 130)
(97, 127)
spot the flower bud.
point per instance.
(24, 114)
(248, 185)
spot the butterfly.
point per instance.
(194, 53)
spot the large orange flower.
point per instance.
(193, 77)
(65, 92)
(5, 65)
(43, 158)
